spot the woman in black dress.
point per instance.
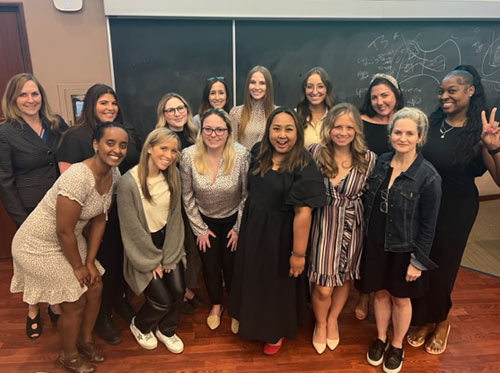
(380, 103)
(174, 112)
(101, 105)
(28, 140)
(462, 144)
(401, 209)
(269, 290)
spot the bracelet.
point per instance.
(494, 151)
(298, 255)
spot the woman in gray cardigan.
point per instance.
(149, 211)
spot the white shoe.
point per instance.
(174, 344)
(147, 341)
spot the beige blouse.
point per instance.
(156, 210)
(312, 134)
(255, 128)
(221, 199)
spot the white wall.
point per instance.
(330, 9)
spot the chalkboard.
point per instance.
(155, 56)
(152, 57)
(419, 54)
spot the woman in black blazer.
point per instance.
(28, 167)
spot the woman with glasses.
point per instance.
(401, 209)
(216, 94)
(214, 189)
(317, 99)
(174, 112)
(249, 119)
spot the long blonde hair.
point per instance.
(9, 104)
(325, 156)
(200, 154)
(191, 130)
(156, 136)
(248, 101)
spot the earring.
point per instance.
(96, 150)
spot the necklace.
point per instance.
(445, 130)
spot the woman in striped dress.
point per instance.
(337, 228)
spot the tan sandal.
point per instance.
(417, 336)
(76, 364)
(438, 341)
(91, 351)
(361, 310)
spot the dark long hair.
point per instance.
(297, 157)
(303, 111)
(367, 109)
(88, 118)
(467, 146)
(205, 103)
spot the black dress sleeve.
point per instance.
(308, 188)
(76, 145)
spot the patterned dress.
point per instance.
(255, 128)
(41, 270)
(337, 229)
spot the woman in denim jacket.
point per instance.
(401, 208)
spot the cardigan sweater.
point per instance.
(141, 256)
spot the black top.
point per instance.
(376, 137)
(28, 166)
(76, 146)
(183, 137)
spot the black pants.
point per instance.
(110, 255)
(193, 264)
(163, 303)
(217, 260)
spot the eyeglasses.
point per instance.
(384, 206)
(171, 111)
(215, 78)
(218, 131)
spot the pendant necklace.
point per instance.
(445, 130)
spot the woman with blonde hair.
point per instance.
(29, 137)
(249, 119)
(337, 228)
(174, 112)
(214, 189)
(149, 208)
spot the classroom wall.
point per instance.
(69, 51)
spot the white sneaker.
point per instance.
(174, 344)
(147, 341)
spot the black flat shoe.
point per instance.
(187, 308)
(196, 301)
(34, 333)
(107, 332)
(125, 310)
(53, 316)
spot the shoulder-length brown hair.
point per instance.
(325, 157)
(189, 128)
(9, 104)
(248, 101)
(296, 158)
(157, 136)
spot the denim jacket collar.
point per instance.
(411, 172)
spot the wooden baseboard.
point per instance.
(489, 197)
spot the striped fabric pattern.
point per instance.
(336, 237)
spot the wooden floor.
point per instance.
(474, 342)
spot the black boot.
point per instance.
(104, 325)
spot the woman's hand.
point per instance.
(296, 265)
(232, 237)
(491, 132)
(94, 274)
(412, 273)
(82, 275)
(158, 272)
(203, 240)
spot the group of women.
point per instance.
(273, 202)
